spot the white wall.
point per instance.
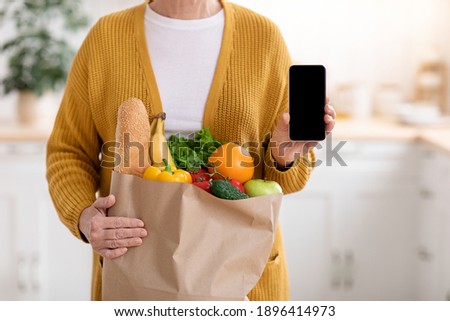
(370, 42)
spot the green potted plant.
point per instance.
(39, 55)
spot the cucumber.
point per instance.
(223, 189)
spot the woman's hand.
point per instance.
(110, 236)
(284, 150)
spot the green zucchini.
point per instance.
(223, 189)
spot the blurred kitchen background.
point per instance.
(372, 224)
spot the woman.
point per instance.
(213, 64)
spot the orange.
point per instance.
(232, 161)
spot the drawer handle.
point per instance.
(35, 284)
(424, 255)
(22, 274)
(426, 194)
(335, 270)
(349, 261)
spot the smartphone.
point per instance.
(307, 97)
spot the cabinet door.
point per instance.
(8, 260)
(432, 229)
(41, 260)
(377, 226)
(309, 224)
(358, 225)
(443, 249)
(21, 167)
(378, 221)
(306, 223)
(68, 260)
(446, 245)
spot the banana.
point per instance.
(158, 147)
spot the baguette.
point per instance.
(133, 135)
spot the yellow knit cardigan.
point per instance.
(246, 99)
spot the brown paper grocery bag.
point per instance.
(199, 247)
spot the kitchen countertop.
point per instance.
(14, 132)
(346, 129)
(384, 129)
(437, 137)
(373, 129)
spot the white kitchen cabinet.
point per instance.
(8, 259)
(446, 232)
(377, 240)
(40, 259)
(377, 229)
(444, 209)
(356, 225)
(306, 220)
(433, 242)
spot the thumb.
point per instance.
(281, 131)
(285, 118)
(105, 202)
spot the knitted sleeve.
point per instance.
(73, 148)
(296, 177)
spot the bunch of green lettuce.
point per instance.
(192, 154)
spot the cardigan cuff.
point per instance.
(294, 178)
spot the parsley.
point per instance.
(191, 154)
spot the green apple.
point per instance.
(259, 187)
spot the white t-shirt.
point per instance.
(184, 56)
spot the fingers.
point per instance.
(117, 244)
(123, 233)
(112, 254)
(329, 110)
(111, 243)
(329, 121)
(330, 115)
(104, 202)
(329, 127)
(112, 236)
(104, 228)
(122, 222)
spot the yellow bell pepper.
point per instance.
(167, 175)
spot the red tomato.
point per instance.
(203, 185)
(237, 184)
(201, 175)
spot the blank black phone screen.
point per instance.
(307, 94)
